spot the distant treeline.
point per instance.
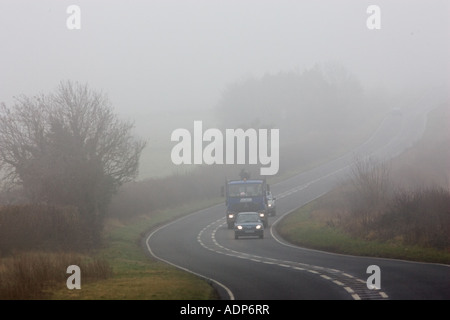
(319, 112)
(319, 99)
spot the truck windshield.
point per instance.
(245, 190)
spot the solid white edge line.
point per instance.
(227, 290)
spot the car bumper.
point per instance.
(249, 233)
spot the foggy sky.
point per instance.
(149, 55)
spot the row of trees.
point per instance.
(321, 98)
(68, 148)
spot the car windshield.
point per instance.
(247, 218)
(245, 190)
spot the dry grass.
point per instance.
(412, 204)
(30, 275)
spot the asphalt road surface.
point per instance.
(271, 269)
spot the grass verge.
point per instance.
(33, 275)
(136, 276)
(302, 228)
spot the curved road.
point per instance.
(270, 269)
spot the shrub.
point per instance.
(40, 226)
(420, 217)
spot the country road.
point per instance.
(271, 269)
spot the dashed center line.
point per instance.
(357, 288)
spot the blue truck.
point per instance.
(246, 195)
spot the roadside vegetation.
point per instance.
(395, 210)
(35, 274)
(135, 274)
(59, 208)
(63, 156)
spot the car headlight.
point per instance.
(239, 227)
(231, 215)
(261, 215)
(258, 226)
(270, 204)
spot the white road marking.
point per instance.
(335, 276)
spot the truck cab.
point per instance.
(246, 195)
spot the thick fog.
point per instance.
(158, 57)
(182, 54)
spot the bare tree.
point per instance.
(68, 148)
(371, 186)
